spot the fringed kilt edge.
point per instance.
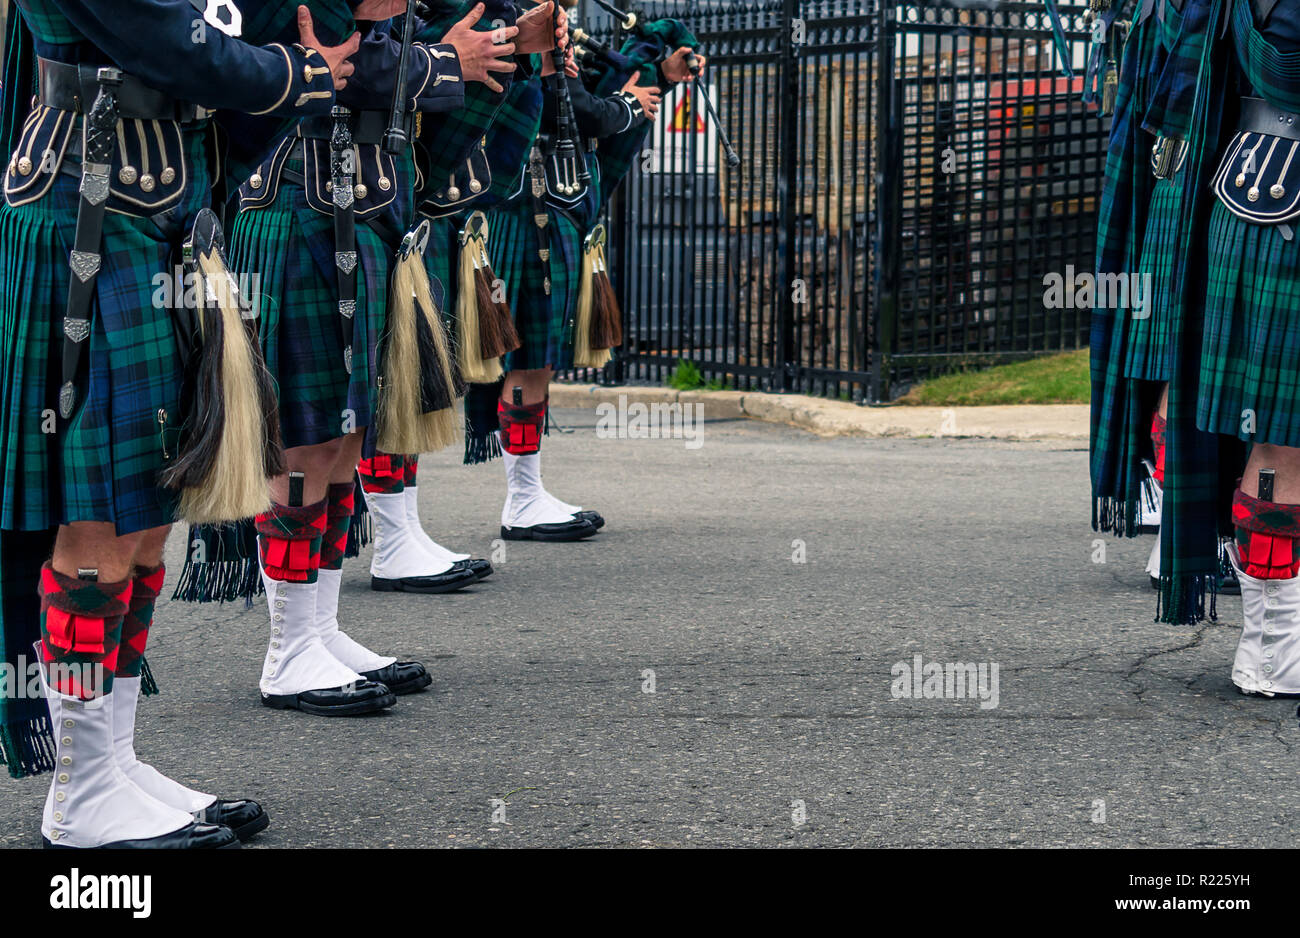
(481, 423)
(360, 531)
(148, 685)
(1183, 600)
(222, 581)
(27, 746)
(231, 574)
(1115, 516)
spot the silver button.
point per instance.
(385, 183)
(168, 176)
(148, 183)
(127, 175)
(360, 191)
(255, 180)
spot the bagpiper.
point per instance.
(551, 267)
(1139, 234)
(1233, 434)
(454, 176)
(355, 342)
(122, 411)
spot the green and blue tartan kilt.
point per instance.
(290, 247)
(1149, 339)
(544, 323)
(1250, 346)
(442, 261)
(104, 464)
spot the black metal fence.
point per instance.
(909, 175)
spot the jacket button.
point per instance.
(255, 180)
(385, 183)
(25, 167)
(361, 191)
(147, 183)
(1277, 191)
(127, 175)
(168, 176)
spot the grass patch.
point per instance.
(688, 377)
(1054, 379)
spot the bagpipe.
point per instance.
(654, 41)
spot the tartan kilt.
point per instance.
(1149, 339)
(544, 323)
(442, 261)
(1251, 339)
(104, 464)
(289, 247)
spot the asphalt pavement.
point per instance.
(725, 665)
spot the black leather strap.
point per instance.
(1260, 117)
(74, 88)
(85, 261)
(342, 173)
(536, 180)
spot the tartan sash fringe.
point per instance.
(228, 568)
(27, 746)
(361, 531)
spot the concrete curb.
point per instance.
(1068, 422)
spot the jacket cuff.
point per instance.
(308, 87)
(441, 84)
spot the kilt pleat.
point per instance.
(103, 464)
(289, 248)
(1250, 385)
(1149, 339)
(544, 323)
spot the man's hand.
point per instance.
(482, 53)
(535, 32)
(649, 98)
(336, 57)
(570, 63)
(677, 67)
(376, 11)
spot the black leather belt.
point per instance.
(1260, 117)
(74, 87)
(368, 128)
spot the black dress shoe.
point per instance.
(454, 579)
(245, 818)
(574, 530)
(348, 701)
(401, 677)
(594, 517)
(480, 568)
(196, 836)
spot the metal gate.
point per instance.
(910, 173)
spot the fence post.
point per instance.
(889, 196)
(791, 111)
